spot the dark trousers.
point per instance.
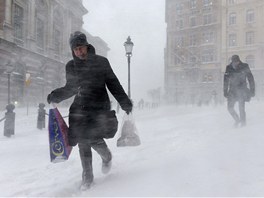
(241, 106)
(85, 150)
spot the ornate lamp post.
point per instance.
(128, 47)
(42, 83)
(8, 72)
(8, 87)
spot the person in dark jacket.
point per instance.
(236, 79)
(87, 76)
(41, 120)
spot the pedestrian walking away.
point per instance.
(88, 76)
(236, 80)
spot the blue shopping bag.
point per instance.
(60, 149)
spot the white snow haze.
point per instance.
(142, 20)
(185, 151)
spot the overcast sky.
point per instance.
(144, 22)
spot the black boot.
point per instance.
(106, 167)
(87, 180)
(86, 159)
(101, 148)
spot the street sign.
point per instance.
(28, 79)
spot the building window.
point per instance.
(18, 24)
(193, 60)
(179, 42)
(179, 24)
(40, 33)
(207, 3)
(250, 38)
(207, 78)
(178, 60)
(193, 4)
(250, 60)
(232, 18)
(232, 40)
(193, 40)
(193, 21)
(179, 8)
(250, 16)
(231, 2)
(208, 37)
(207, 19)
(208, 56)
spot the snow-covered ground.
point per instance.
(185, 151)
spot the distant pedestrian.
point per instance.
(41, 121)
(236, 78)
(214, 97)
(141, 104)
(9, 125)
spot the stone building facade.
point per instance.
(202, 35)
(242, 32)
(34, 46)
(193, 52)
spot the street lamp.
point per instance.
(8, 87)
(128, 47)
(41, 79)
(9, 72)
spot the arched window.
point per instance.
(232, 18)
(250, 16)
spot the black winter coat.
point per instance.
(236, 82)
(87, 80)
